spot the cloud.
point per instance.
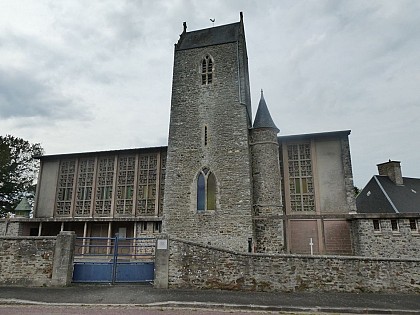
(22, 95)
(324, 65)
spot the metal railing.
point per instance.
(114, 248)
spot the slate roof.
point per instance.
(381, 195)
(100, 153)
(23, 205)
(210, 36)
(263, 118)
(70, 155)
(316, 135)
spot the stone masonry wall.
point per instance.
(266, 172)
(26, 261)
(403, 243)
(214, 112)
(195, 266)
(348, 173)
(267, 200)
(8, 228)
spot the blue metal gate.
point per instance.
(113, 260)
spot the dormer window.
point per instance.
(207, 70)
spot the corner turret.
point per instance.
(267, 200)
(263, 118)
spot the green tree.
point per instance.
(18, 171)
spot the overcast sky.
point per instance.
(81, 76)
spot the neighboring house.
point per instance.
(389, 192)
(223, 180)
(388, 216)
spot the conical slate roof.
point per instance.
(263, 118)
(23, 209)
(23, 205)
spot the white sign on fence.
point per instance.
(162, 244)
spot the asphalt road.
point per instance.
(126, 310)
(141, 299)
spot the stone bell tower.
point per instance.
(208, 186)
(267, 201)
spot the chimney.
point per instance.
(392, 169)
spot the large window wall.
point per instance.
(123, 185)
(302, 198)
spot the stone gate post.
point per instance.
(161, 262)
(63, 259)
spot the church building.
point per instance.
(224, 179)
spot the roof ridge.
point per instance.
(385, 193)
(213, 27)
(217, 35)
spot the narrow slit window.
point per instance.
(394, 225)
(157, 227)
(205, 135)
(413, 225)
(376, 225)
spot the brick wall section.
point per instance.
(301, 231)
(337, 237)
(26, 261)
(195, 266)
(385, 243)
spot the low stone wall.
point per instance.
(196, 266)
(37, 261)
(403, 243)
(26, 260)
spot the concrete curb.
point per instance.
(225, 306)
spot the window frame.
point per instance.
(207, 70)
(300, 173)
(395, 227)
(65, 190)
(206, 191)
(378, 228)
(416, 225)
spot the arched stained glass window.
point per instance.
(206, 70)
(206, 190)
(211, 192)
(201, 192)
